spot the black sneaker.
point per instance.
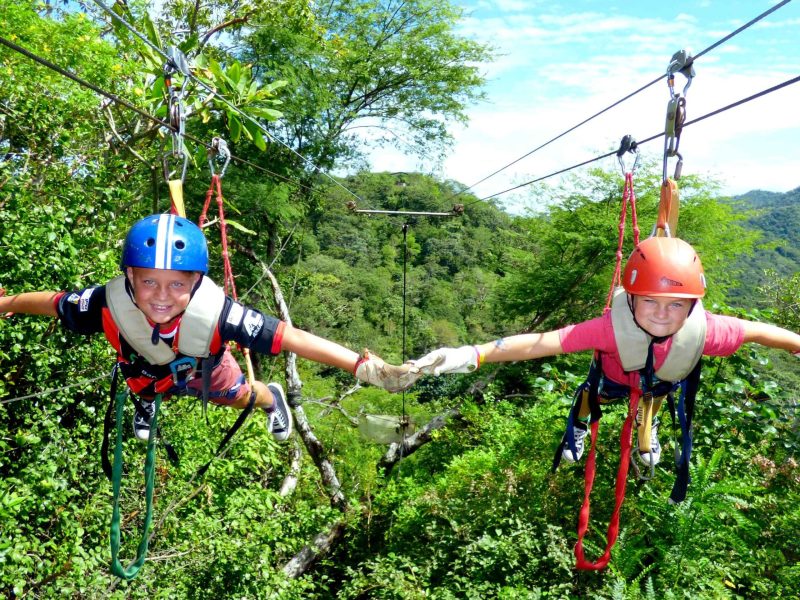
(579, 431)
(141, 424)
(279, 419)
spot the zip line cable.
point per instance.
(127, 104)
(641, 89)
(121, 101)
(769, 90)
(225, 101)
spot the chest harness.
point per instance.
(679, 374)
(150, 364)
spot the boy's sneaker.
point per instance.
(141, 424)
(655, 447)
(579, 431)
(279, 419)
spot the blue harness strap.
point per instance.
(685, 413)
(589, 391)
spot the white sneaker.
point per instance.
(279, 419)
(579, 431)
(655, 447)
(141, 424)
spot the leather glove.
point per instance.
(373, 370)
(448, 360)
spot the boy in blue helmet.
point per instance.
(169, 324)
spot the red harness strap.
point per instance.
(628, 197)
(215, 189)
(619, 493)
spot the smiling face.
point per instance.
(161, 294)
(661, 316)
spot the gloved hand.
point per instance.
(448, 360)
(372, 369)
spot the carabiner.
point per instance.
(218, 151)
(169, 172)
(176, 63)
(681, 62)
(628, 144)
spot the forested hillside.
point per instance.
(466, 506)
(777, 218)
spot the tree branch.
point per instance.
(397, 451)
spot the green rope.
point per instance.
(149, 477)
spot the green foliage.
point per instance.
(776, 256)
(399, 68)
(476, 512)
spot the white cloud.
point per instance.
(556, 69)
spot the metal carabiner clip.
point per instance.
(165, 164)
(681, 62)
(218, 151)
(628, 145)
(176, 63)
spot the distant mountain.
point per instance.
(777, 216)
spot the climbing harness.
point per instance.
(682, 364)
(588, 392)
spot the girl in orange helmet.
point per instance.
(656, 325)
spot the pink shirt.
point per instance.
(724, 336)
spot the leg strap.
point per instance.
(622, 479)
(149, 477)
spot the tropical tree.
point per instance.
(397, 70)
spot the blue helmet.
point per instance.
(165, 242)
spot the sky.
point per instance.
(559, 62)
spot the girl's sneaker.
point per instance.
(579, 431)
(655, 447)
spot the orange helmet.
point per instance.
(664, 266)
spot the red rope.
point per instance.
(628, 197)
(619, 493)
(215, 189)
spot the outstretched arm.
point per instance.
(368, 368)
(524, 346)
(771, 335)
(29, 303)
(318, 349)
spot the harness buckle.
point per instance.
(183, 370)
